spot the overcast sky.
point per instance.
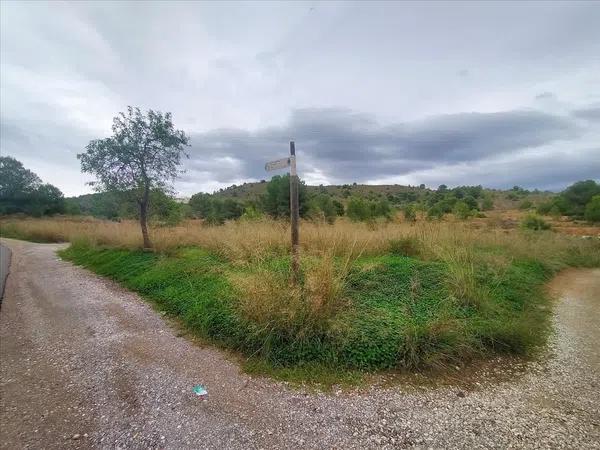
(435, 93)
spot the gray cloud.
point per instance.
(371, 91)
(591, 113)
(346, 146)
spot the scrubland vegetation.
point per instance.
(372, 296)
(391, 277)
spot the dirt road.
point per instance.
(85, 364)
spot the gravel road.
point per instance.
(86, 364)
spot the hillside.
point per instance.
(395, 193)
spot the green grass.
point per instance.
(398, 311)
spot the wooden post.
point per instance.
(295, 213)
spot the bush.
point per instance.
(592, 210)
(487, 204)
(435, 212)
(554, 212)
(573, 200)
(525, 204)
(462, 211)
(535, 222)
(410, 213)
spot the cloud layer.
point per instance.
(497, 94)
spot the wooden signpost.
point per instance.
(294, 204)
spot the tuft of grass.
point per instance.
(535, 222)
(407, 246)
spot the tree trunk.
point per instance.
(144, 219)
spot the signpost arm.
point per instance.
(295, 213)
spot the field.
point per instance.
(387, 295)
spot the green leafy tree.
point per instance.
(592, 210)
(358, 209)
(143, 153)
(22, 191)
(573, 200)
(381, 208)
(47, 200)
(276, 200)
(201, 205)
(323, 203)
(213, 209)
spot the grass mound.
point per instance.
(379, 312)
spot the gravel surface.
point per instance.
(86, 364)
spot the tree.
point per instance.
(143, 153)
(276, 200)
(592, 209)
(357, 209)
(573, 200)
(47, 200)
(381, 208)
(323, 206)
(22, 191)
(201, 205)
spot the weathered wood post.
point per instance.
(295, 214)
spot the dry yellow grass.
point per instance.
(246, 241)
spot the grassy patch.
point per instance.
(371, 297)
(369, 314)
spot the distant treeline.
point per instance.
(21, 191)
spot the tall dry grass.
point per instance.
(247, 241)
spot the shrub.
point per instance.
(487, 204)
(573, 200)
(525, 204)
(462, 211)
(554, 212)
(535, 222)
(435, 212)
(592, 210)
(410, 213)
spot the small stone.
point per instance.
(460, 394)
(76, 436)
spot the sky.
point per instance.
(498, 94)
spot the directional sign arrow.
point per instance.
(278, 164)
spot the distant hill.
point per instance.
(395, 193)
(112, 205)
